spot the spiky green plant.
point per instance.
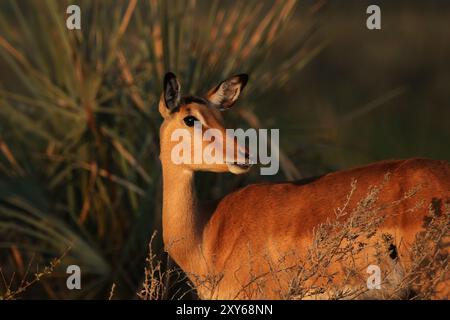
(79, 163)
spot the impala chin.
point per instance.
(236, 168)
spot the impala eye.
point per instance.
(189, 121)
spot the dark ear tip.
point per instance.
(243, 77)
(169, 76)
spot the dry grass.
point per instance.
(13, 288)
(332, 268)
(162, 280)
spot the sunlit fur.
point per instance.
(262, 222)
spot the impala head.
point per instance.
(196, 116)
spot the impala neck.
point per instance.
(182, 227)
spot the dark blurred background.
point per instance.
(372, 95)
(79, 170)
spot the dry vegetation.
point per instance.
(13, 287)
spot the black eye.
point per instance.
(189, 121)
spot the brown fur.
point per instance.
(281, 217)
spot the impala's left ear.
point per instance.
(227, 92)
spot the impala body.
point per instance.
(227, 248)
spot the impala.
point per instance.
(249, 231)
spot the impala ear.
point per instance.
(170, 98)
(227, 92)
